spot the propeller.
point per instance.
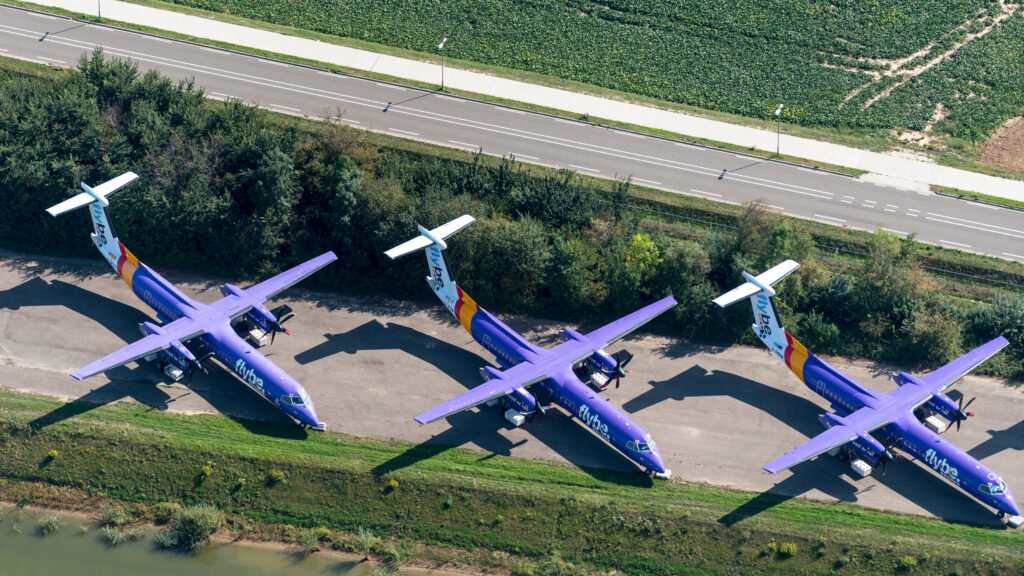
(884, 457)
(960, 415)
(197, 364)
(622, 358)
(283, 314)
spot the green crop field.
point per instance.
(832, 62)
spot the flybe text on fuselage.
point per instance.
(593, 419)
(942, 466)
(249, 375)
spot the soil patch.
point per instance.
(1006, 148)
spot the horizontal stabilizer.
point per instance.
(97, 194)
(760, 283)
(428, 237)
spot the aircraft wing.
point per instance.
(181, 330)
(851, 427)
(273, 286)
(609, 333)
(520, 375)
(944, 376)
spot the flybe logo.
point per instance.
(435, 268)
(931, 457)
(249, 375)
(593, 420)
(101, 229)
(763, 321)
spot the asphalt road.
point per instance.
(530, 137)
(370, 365)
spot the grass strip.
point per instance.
(1015, 204)
(536, 514)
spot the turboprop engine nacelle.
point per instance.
(259, 316)
(604, 362)
(943, 405)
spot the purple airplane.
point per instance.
(556, 372)
(866, 424)
(211, 326)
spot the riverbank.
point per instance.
(433, 506)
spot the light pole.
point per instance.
(441, 48)
(778, 130)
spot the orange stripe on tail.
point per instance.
(465, 309)
(127, 264)
(796, 356)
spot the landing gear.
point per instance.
(666, 475)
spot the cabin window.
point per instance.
(631, 445)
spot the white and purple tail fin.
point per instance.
(96, 199)
(759, 290)
(432, 241)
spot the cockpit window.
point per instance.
(631, 445)
(643, 446)
(993, 489)
(295, 400)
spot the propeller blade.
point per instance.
(958, 420)
(273, 334)
(968, 403)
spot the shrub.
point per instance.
(310, 540)
(52, 454)
(113, 535)
(906, 563)
(115, 515)
(165, 512)
(842, 561)
(49, 524)
(276, 477)
(787, 549)
(365, 541)
(192, 527)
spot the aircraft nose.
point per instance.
(1011, 503)
(657, 463)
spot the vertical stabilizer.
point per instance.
(759, 290)
(103, 232)
(432, 242)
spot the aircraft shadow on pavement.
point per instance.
(796, 411)
(229, 397)
(458, 363)
(121, 319)
(999, 440)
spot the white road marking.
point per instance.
(632, 135)
(777, 207)
(870, 202)
(38, 15)
(564, 121)
(205, 49)
(890, 210)
(443, 97)
(900, 232)
(829, 218)
(846, 202)
(647, 181)
(284, 107)
(389, 86)
(51, 59)
(690, 146)
(912, 210)
(584, 168)
(512, 110)
(849, 197)
(3, 49)
(222, 95)
(995, 229)
(276, 63)
(513, 154)
(955, 243)
(866, 206)
(1013, 255)
(892, 206)
(703, 192)
(467, 144)
(351, 121)
(331, 74)
(912, 215)
(404, 131)
(158, 39)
